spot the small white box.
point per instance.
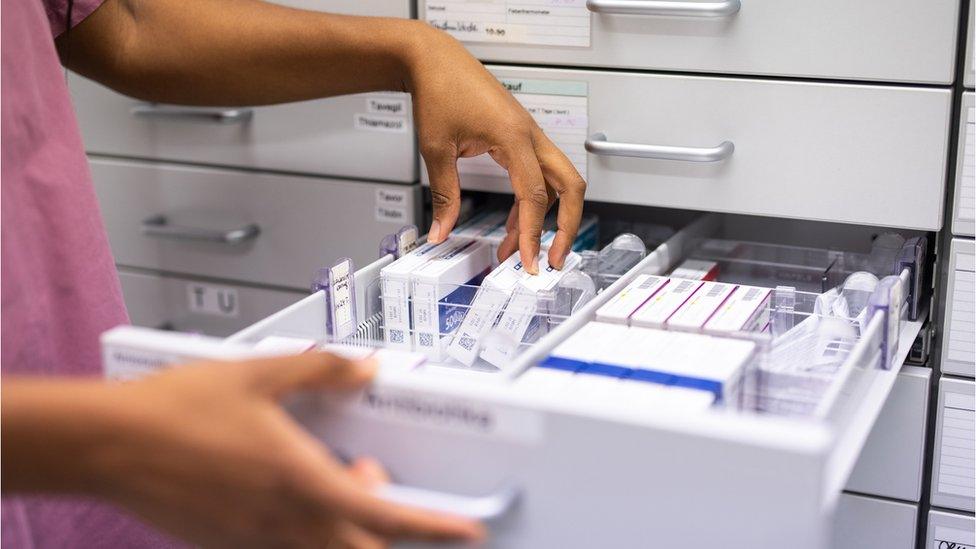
(696, 269)
(625, 303)
(443, 288)
(746, 310)
(395, 288)
(695, 312)
(656, 311)
(591, 343)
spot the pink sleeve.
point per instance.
(57, 12)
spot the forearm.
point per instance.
(247, 52)
(51, 434)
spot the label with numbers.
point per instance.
(541, 22)
(560, 109)
(213, 300)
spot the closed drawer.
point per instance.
(950, 531)
(891, 461)
(364, 136)
(958, 341)
(275, 229)
(964, 201)
(188, 305)
(953, 464)
(869, 523)
(970, 69)
(850, 153)
(835, 38)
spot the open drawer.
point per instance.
(558, 470)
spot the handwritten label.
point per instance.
(560, 109)
(387, 214)
(541, 22)
(213, 300)
(342, 314)
(954, 538)
(380, 123)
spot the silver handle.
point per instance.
(598, 144)
(724, 8)
(220, 116)
(482, 508)
(158, 226)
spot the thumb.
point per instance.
(445, 191)
(280, 375)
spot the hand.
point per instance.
(462, 110)
(208, 454)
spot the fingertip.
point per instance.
(530, 261)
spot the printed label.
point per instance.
(380, 123)
(386, 105)
(560, 109)
(391, 197)
(542, 22)
(387, 214)
(213, 300)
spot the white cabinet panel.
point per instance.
(970, 70)
(964, 201)
(953, 460)
(891, 462)
(869, 523)
(865, 40)
(850, 153)
(950, 531)
(189, 305)
(958, 339)
(275, 229)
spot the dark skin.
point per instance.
(206, 452)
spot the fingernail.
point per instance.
(434, 234)
(534, 267)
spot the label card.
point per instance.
(540, 22)
(213, 300)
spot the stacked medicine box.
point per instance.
(953, 464)
(219, 216)
(741, 106)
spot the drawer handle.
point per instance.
(158, 226)
(598, 144)
(664, 7)
(220, 116)
(482, 508)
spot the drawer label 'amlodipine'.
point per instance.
(539, 22)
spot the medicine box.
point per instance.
(395, 289)
(696, 311)
(658, 309)
(696, 269)
(624, 304)
(746, 310)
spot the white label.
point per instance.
(966, 194)
(386, 105)
(342, 313)
(954, 538)
(957, 464)
(380, 123)
(451, 414)
(543, 22)
(391, 197)
(213, 300)
(961, 344)
(560, 109)
(387, 214)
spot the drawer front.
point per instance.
(341, 136)
(953, 464)
(862, 40)
(188, 305)
(958, 356)
(850, 153)
(303, 223)
(964, 201)
(891, 461)
(950, 531)
(869, 523)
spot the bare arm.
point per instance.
(237, 52)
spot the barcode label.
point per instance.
(684, 286)
(426, 340)
(751, 294)
(651, 281)
(716, 290)
(466, 342)
(396, 336)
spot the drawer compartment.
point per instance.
(950, 531)
(869, 523)
(188, 305)
(964, 194)
(770, 37)
(830, 152)
(891, 462)
(953, 464)
(340, 136)
(259, 228)
(958, 356)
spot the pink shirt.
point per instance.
(59, 287)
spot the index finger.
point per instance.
(561, 174)
(532, 200)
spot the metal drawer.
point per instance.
(870, 523)
(864, 40)
(254, 227)
(958, 341)
(964, 194)
(953, 464)
(891, 462)
(859, 154)
(950, 531)
(341, 136)
(189, 305)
